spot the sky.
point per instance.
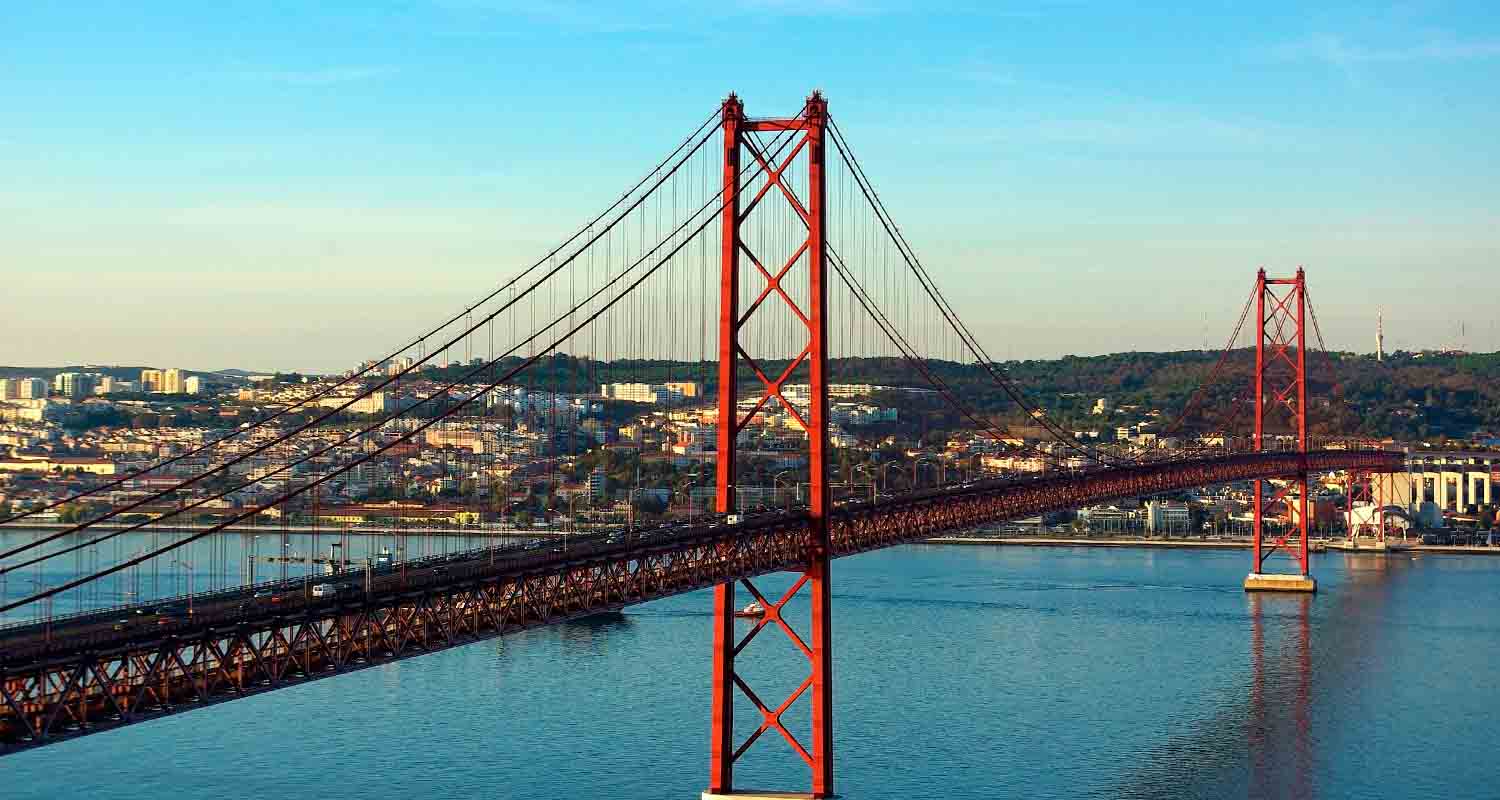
(295, 185)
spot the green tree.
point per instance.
(70, 513)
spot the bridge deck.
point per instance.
(97, 671)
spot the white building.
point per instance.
(73, 385)
(653, 393)
(193, 385)
(860, 414)
(376, 403)
(1166, 516)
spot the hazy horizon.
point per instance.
(288, 371)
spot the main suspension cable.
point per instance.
(446, 412)
(355, 375)
(954, 322)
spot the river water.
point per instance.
(960, 672)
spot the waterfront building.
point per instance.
(1107, 517)
(1167, 516)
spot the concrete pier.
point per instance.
(1270, 582)
(753, 794)
(1366, 546)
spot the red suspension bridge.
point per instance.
(774, 225)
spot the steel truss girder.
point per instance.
(77, 690)
(86, 691)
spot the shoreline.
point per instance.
(1190, 544)
(321, 530)
(1316, 546)
(1060, 541)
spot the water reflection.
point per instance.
(1261, 742)
(1279, 730)
(584, 636)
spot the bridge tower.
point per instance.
(808, 129)
(1281, 386)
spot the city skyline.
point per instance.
(190, 182)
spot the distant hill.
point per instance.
(1409, 395)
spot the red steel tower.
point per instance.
(1281, 392)
(808, 144)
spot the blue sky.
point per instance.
(242, 183)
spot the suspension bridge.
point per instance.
(756, 258)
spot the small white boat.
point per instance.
(752, 611)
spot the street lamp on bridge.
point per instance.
(776, 484)
(868, 474)
(188, 565)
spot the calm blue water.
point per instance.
(961, 673)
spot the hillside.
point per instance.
(1412, 396)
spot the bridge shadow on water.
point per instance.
(1266, 744)
(593, 635)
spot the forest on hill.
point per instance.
(1409, 396)
(1412, 396)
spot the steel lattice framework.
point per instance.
(74, 677)
(809, 127)
(1281, 386)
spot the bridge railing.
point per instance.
(181, 599)
(509, 548)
